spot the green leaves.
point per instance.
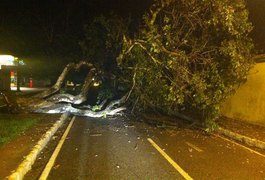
(103, 40)
(190, 55)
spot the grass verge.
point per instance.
(11, 125)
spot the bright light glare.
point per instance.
(96, 84)
(7, 60)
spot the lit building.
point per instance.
(8, 72)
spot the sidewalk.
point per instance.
(250, 134)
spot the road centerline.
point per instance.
(170, 160)
(50, 164)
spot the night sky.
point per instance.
(28, 27)
(25, 23)
(257, 17)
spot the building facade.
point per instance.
(7, 72)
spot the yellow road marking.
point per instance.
(50, 164)
(171, 161)
(194, 147)
(247, 148)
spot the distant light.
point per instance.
(7, 60)
(21, 62)
(96, 84)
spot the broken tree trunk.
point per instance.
(57, 86)
(52, 108)
(79, 99)
(60, 103)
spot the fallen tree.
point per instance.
(50, 101)
(188, 57)
(58, 85)
(110, 109)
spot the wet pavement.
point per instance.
(117, 148)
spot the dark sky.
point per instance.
(22, 21)
(75, 12)
(26, 23)
(257, 16)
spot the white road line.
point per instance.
(171, 161)
(50, 164)
(247, 148)
(194, 147)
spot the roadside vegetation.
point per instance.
(12, 125)
(186, 58)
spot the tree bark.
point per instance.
(57, 86)
(52, 108)
(61, 103)
(79, 99)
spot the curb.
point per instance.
(241, 138)
(29, 160)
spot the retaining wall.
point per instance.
(248, 103)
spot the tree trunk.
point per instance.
(52, 108)
(61, 103)
(57, 86)
(82, 97)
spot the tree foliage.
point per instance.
(103, 40)
(101, 45)
(188, 57)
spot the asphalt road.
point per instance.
(119, 148)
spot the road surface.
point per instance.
(119, 148)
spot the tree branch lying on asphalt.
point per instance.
(111, 109)
(61, 103)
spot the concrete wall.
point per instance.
(248, 103)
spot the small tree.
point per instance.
(189, 56)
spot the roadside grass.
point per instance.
(11, 125)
